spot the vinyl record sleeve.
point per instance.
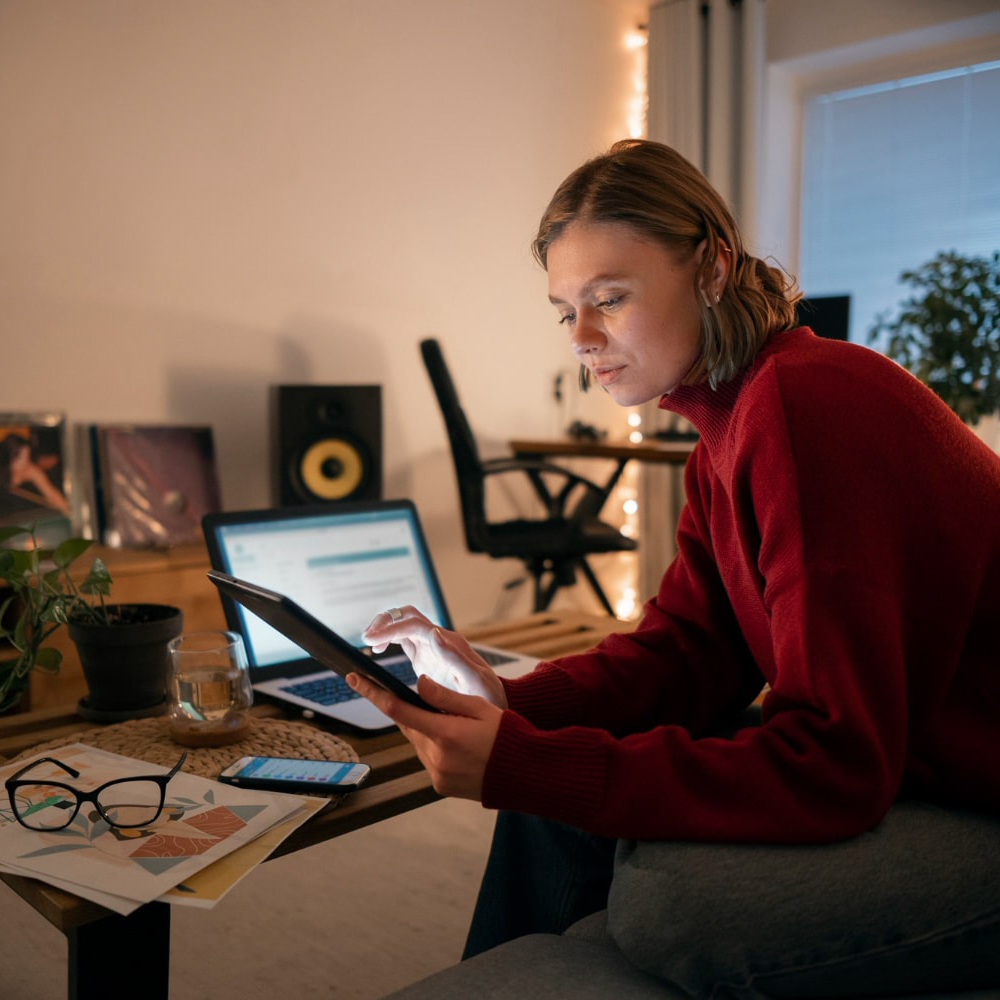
(153, 484)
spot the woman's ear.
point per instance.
(720, 273)
(711, 291)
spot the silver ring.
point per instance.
(395, 615)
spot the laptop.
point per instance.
(342, 563)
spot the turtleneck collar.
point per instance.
(711, 410)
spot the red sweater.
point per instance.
(840, 542)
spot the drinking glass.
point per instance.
(209, 695)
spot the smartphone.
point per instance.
(287, 774)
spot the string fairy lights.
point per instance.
(627, 603)
(636, 42)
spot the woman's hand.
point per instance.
(445, 657)
(453, 745)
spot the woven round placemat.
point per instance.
(149, 740)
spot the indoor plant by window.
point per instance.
(947, 332)
(122, 647)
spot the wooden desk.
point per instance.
(671, 452)
(110, 954)
(620, 452)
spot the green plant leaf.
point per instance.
(55, 610)
(48, 659)
(947, 333)
(16, 566)
(97, 581)
(18, 638)
(66, 552)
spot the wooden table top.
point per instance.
(647, 450)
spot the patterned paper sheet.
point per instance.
(202, 821)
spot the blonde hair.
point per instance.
(653, 189)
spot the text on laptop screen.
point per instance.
(343, 569)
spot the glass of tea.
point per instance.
(209, 694)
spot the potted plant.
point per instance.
(947, 332)
(122, 647)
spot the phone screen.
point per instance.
(320, 772)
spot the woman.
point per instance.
(841, 545)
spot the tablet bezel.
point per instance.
(309, 633)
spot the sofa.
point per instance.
(669, 931)
(582, 964)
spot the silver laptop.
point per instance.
(343, 563)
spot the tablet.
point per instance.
(308, 632)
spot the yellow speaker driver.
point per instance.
(332, 469)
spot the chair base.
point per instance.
(563, 574)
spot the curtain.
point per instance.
(706, 66)
(705, 83)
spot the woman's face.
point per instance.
(631, 310)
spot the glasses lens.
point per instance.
(135, 802)
(44, 807)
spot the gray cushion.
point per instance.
(780, 917)
(593, 928)
(582, 965)
(541, 965)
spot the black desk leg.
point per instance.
(121, 956)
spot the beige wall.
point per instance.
(204, 197)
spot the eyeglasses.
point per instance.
(51, 805)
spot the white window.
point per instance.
(892, 174)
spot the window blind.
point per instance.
(892, 174)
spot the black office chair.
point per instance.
(553, 547)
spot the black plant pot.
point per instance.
(126, 664)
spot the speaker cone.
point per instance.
(332, 469)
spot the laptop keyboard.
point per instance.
(333, 689)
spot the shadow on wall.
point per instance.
(234, 404)
(235, 398)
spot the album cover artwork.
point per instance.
(152, 484)
(33, 482)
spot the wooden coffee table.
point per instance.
(112, 955)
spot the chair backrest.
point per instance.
(464, 451)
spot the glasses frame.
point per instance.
(14, 782)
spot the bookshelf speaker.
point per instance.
(326, 443)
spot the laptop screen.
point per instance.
(343, 564)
